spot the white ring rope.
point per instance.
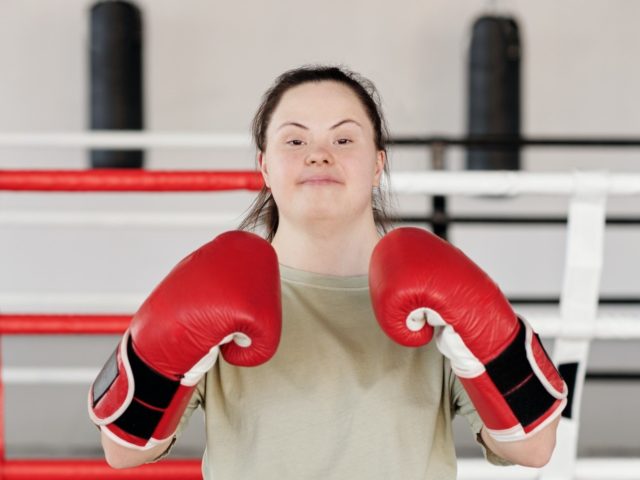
(586, 469)
(48, 375)
(509, 183)
(70, 302)
(125, 140)
(116, 219)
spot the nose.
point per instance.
(319, 155)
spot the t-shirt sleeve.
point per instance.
(197, 399)
(462, 406)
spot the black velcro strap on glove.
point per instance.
(152, 394)
(151, 387)
(514, 377)
(139, 420)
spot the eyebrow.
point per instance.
(341, 122)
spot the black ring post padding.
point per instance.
(139, 420)
(569, 372)
(151, 387)
(511, 367)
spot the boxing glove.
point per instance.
(423, 287)
(225, 296)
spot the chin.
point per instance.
(320, 214)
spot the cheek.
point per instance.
(281, 171)
(362, 173)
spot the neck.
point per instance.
(327, 248)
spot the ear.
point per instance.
(380, 161)
(263, 168)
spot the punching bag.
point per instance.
(494, 91)
(116, 78)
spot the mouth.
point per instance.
(320, 180)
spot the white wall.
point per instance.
(206, 66)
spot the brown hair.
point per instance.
(263, 212)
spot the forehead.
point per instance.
(319, 102)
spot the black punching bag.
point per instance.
(494, 91)
(116, 78)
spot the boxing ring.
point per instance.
(577, 324)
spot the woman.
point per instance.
(339, 399)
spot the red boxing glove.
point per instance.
(224, 296)
(422, 286)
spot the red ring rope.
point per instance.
(101, 181)
(66, 324)
(78, 469)
(117, 180)
(82, 469)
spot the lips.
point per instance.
(319, 180)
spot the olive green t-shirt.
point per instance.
(338, 400)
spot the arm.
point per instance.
(534, 451)
(118, 456)
(422, 288)
(200, 308)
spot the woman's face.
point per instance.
(321, 161)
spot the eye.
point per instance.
(294, 143)
(344, 141)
